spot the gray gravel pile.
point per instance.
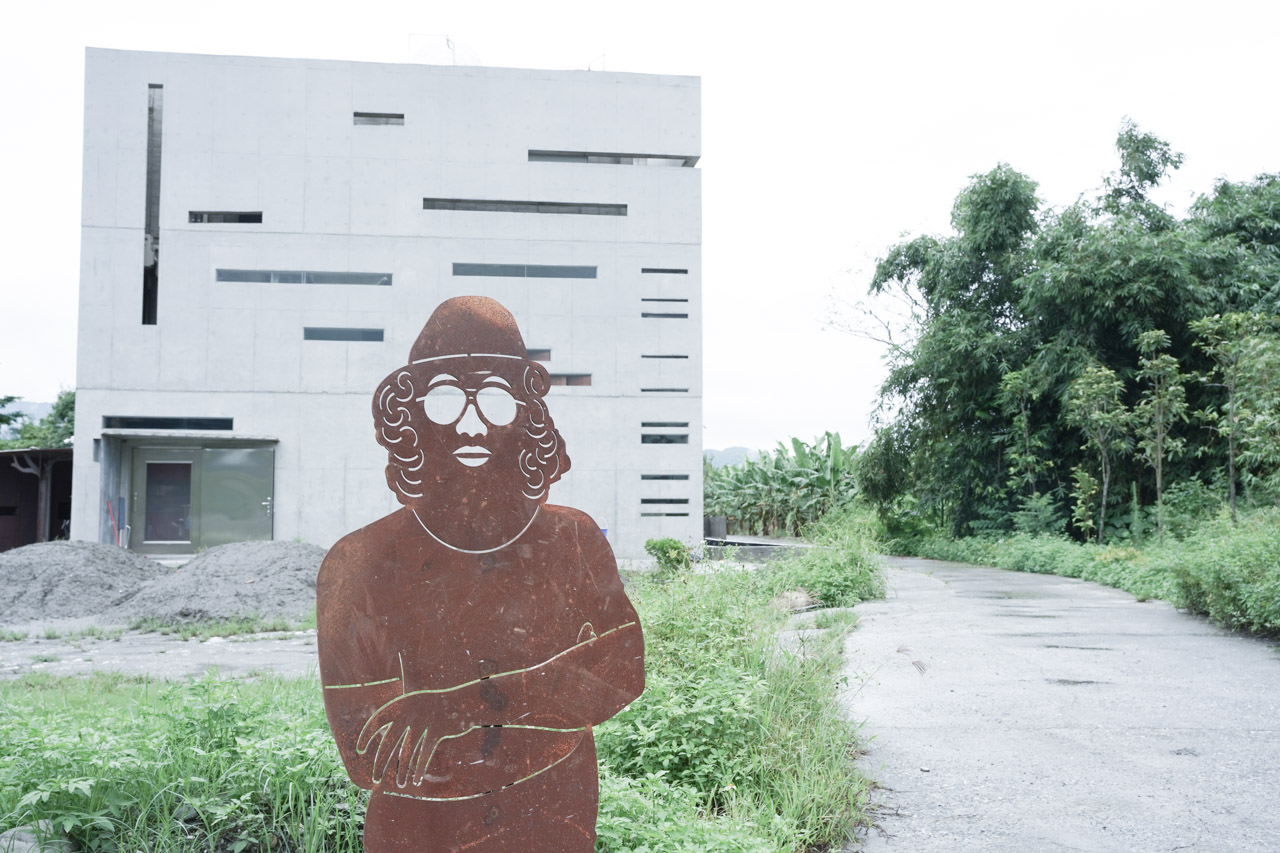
(67, 580)
(267, 578)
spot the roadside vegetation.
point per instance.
(735, 745)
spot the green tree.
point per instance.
(53, 430)
(1162, 405)
(7, 418)
(1094, 407)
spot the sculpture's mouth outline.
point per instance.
(472, 455)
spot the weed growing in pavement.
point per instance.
(52, 633)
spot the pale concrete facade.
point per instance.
(339, 161)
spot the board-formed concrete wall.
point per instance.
(281, 137)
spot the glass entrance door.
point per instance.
(186, 499)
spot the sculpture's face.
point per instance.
(476, 417)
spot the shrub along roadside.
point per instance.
(735, 746)
(1228, 572)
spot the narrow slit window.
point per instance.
(538, 354)
(664, 423)
(377, 118)
(143, 422)
(664, 438)
(653, 315)
(304, 277)
(664, 515)
(501, 206)
(572, 379)
(667, 270)
(664, 476)
(330, 333)
(664, 390)
(664, 501)
(151, 212)
(537, 155)
(664, 356)
(661, 299)
(524, 270)
(213, 217)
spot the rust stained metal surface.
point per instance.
(470, 640)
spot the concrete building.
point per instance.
(262, 240)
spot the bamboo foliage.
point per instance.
(779, 492)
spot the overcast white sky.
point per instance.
(829, 130)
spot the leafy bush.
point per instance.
(841, 568)
(672, 555)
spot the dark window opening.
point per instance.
(652, 316)
(525, 270)
(138, 422)
(660, 299)
(151, 207)
(304, 277)
(664, 356)
(664, 515)
(664, 423)
(667, 270)
(664, 390)
(538, 354)
(377, 118)
(664, 438)
(331, 333)
(8, 510)
(664, 476)
(223, 216)
(496, 206)
(612, 158)
(664, 500)
(571, 379)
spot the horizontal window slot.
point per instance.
(664, 356)
(498, 206)
(612, 158)
(524, 270)
(8, 510)
(660, 299)
(538, 354)
(136, 422)
(377, 118)
(221, 216)
(664, 476)
(664, 390)
(330, 333)
(304, 277)
(664, 438)
(666, 270)
(664, 515)
(664, 500)
(577, 379)
(650, 315)
(664, 423)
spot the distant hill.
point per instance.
(730, 456)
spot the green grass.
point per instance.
(735, 747)
(204, 629)
(45, 657)
(9, 636)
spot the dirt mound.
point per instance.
(267, 578)
(64, 580)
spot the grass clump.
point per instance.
(841, 568)
(206, 628)
(672, 555)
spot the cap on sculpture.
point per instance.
(468, 325)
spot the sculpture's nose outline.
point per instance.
(471, 423)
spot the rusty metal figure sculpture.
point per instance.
(470, 640)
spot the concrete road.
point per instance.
(1016, 712)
